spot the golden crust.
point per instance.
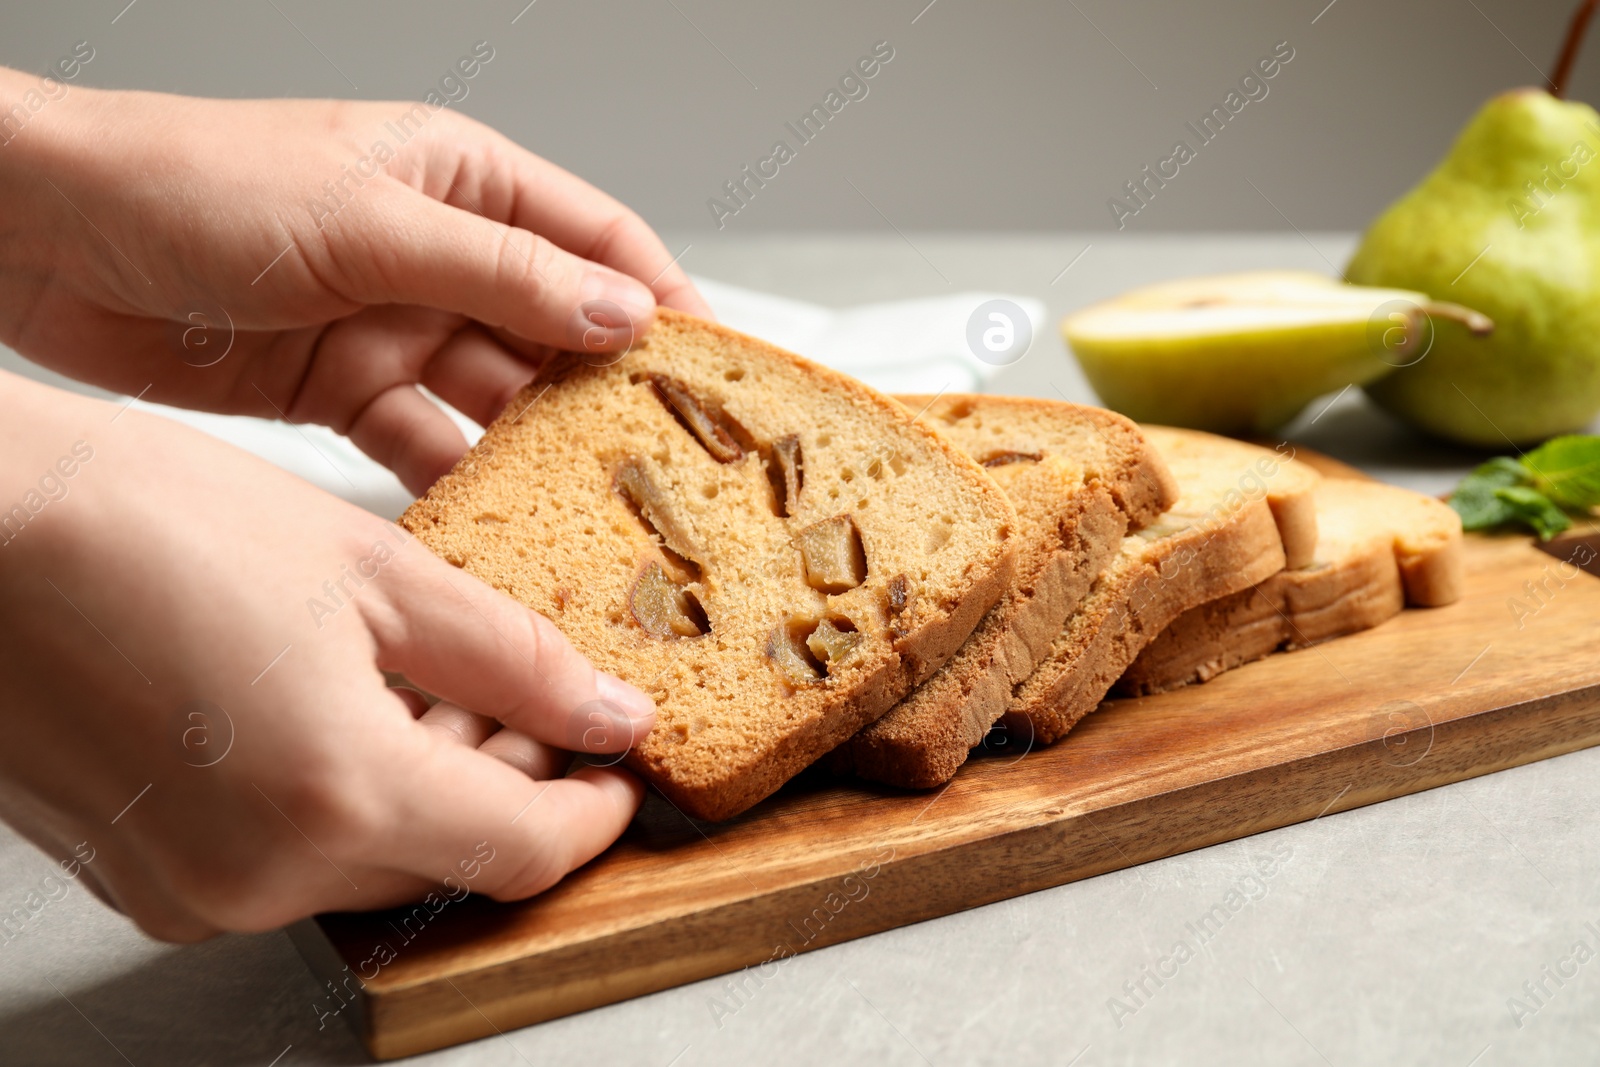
(1080, 477)
(1223, 535)
(532, 510)
(1380, 547)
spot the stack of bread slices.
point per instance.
(799, 569)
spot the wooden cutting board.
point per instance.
(1428, 698)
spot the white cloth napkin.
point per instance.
(906, 346)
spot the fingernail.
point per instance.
(635, 703)
(615, 310)
(627, 297)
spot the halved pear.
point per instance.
(1244, 353)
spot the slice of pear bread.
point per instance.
(1379, 547)
(1080, 478)
(1242, 512)
(774, 551)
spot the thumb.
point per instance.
(528, 834)
(408, 248)
(452, 635)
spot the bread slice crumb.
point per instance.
(1379, 547)
(1081, 478)
(1242, 512)
(775, 552)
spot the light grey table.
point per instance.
(1398, 933)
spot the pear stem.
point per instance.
(1569, 48)
(1477, 322)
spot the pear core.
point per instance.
(1243, 353)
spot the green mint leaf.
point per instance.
(1567, 470)
(1475, 498)
(1481, 509)
(1502, 471)
(1533, 508)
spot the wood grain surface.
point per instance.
(1431, 697)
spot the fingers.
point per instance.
(459, 726)
(409, 434)
(675, 290)
(361, 382)
(503, 834)
(407, 248)
(506, 182)
(454, 636)
(414, 700)
(534, 758)
(362, 360)
(476, 374)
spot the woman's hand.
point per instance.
(340, 254)
(194, 696)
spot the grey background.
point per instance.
(1397, 933)
(1017, 116)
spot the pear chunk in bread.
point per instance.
(1379, 548)
(1242, 512)
(1080, 478)
(775, 552)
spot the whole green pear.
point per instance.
(1508, 224)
